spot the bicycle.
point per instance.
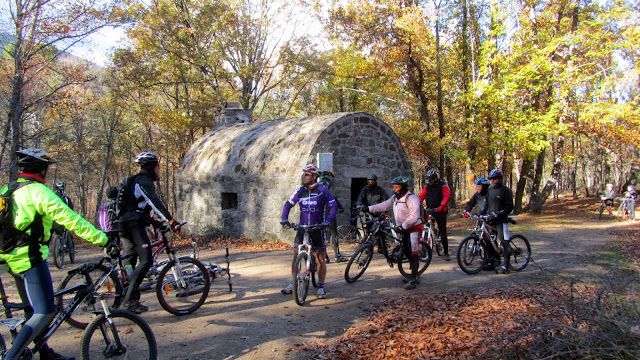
(118, 334)
(623, 209)
(473, 255)
(305, 265)
(182, 289)
(62, 245)
(380, 232)
(431, 235)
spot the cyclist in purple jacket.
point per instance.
(312, 199)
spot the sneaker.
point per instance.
(321, 293)
(489, 267)
(326, 258)
(341, 258)
(406, 280)
(411, 285)
(446, 257)
(136, 307)
(504, 270)
(49, 354)
(287, 290)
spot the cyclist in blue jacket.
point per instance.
(312, 199)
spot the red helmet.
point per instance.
(310, 168)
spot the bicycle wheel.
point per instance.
(471, 254)
(186, 295)
(520, 253)
(3, 347)
(82, 315)
(314, 271)
(622, 211)
(424, 255)
(439, 247)
(71, 248)
(349, 234)
(124, 335)
(58, 251)
(300, 279)
(600, 210)
(358, 262)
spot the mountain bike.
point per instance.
(305, 267)
(62, 245)
(380, 232)
(623, 209)
(113, 334)
(431, 235)
(182, 285)
(473, 255)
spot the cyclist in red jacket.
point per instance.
(436, 195)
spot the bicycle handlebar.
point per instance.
(295, 226)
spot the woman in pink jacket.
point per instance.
(406, 207)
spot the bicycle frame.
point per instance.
(381, 229)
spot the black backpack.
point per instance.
(125, 194)
(10, 237)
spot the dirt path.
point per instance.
(255, 321)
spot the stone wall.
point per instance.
(260, 164)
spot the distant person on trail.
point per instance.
(630, 197)
(313, 199)
(608, 195)
(500, 205)
(479, 202)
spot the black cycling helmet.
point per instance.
(483, 181)
(147, 160)
(372, 177)
(495, 174)
(33, 160)
(60, 185)
(431, 174)
(404, 182)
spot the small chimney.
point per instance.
(232, 113)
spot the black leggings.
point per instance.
(136, 240)
(441, 220)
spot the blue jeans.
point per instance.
(34, 287)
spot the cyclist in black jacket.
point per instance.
(500, 205)
(141, 199)
(371, 194)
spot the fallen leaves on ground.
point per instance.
(443, 326)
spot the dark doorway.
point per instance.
(356, 185)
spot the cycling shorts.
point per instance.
(317, 237)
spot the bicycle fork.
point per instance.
(114, 346)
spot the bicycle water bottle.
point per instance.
(128, 271)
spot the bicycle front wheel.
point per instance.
(58, 251)
(471, 254)
(349, 234)
(122, 335)
(520, 254)
(358, 262)
(424, 257)
(85, 312)
(71, 248)
(183, 288)
(300, 279)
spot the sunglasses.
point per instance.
(307, 174)
(493, 178)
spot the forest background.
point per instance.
(546, 90)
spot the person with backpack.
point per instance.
(406, 209)
(136, 200)
(59, 187)
(107, 211)
(436, 196)
(26, 232)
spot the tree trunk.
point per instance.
(537, 202)
(537, 179)
(525, 172)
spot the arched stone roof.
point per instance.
(259, 165)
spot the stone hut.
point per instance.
(235, 179)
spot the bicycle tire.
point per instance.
(300, 279)
(84, 312)
(622, 212)
(359, 261)
(600, 211)
(3, 347)
(58, 252)
(314, 271)
(425, 255)
(472, 255)
(520, 254)
(132, 331)
(186, 298)
(71, 247)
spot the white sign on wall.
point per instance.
(325, 161)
